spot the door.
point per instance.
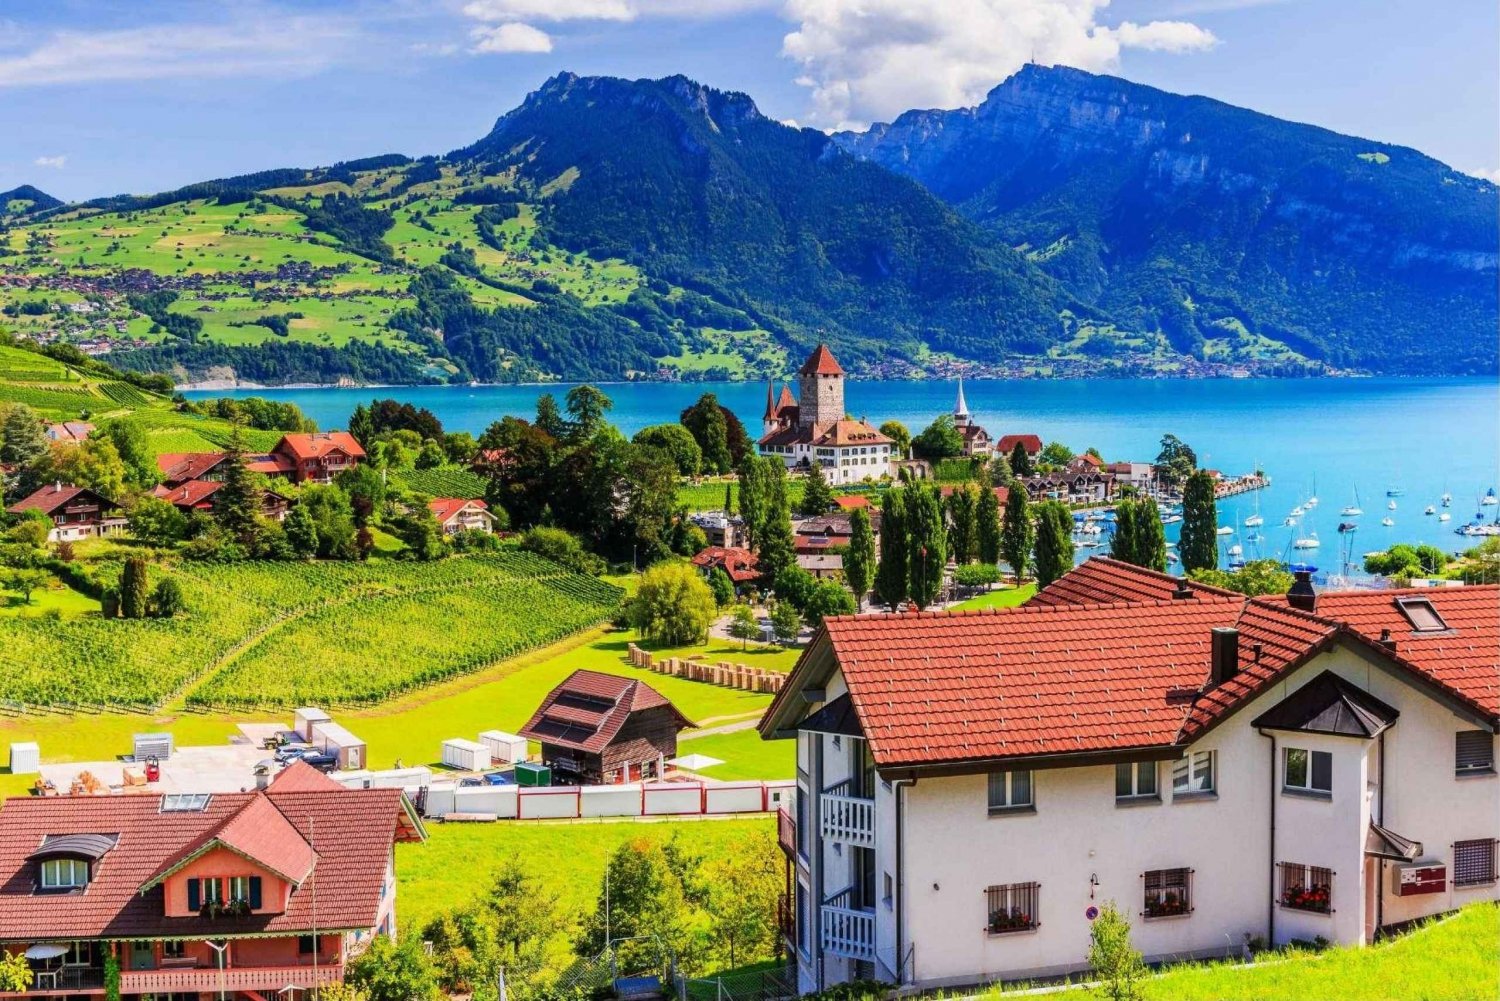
(142, 956)
(1373, 872)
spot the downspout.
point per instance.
(1271, 907)
(1380, 862)
(898, 789)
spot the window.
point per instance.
(1013, 907)
(239, 888)
(1473, 752)
(306, 945)
(64, 874)
(1308, 771)
(1422, 616)
(1474, 862)
(802, 929)
(1193, 774)
(1169, 893)
(888, 889)
(174, 949)
(1306, 888)
(1009, 791)
(80, 953)
(1135, 780)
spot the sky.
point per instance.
(100, 98)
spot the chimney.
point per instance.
(1182, 591)
(1225, 645)
(57, 486)
(1302, 595)
(1387, 640)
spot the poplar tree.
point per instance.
(963, 520)
(926, 545)
(1122, 544)
(1020, 462)
(753, 481)
(1017, 532)
(1150, 536)
(1199, 543)
(890, 575)
(987, 524)
(859, 560)
(777, 547)
(1054, 541)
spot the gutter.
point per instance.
(1271, 907)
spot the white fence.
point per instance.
(636, 799)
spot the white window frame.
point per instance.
(1187, 771)
(239, 889)
(1309, 772)
(1010, 799)
(1136, 770)
(64, 874)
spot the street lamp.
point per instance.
(220, 949)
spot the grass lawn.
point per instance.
(745, 755)
(1008, 597)
(54, 596)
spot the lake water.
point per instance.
(1422, 436)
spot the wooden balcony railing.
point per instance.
(850, 819)
(245, 978)
(786, 833)
(849, 932)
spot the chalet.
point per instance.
(190, 496)
(69, 432)
(815, 427)
(457, 514)
(972, 787)
(244, 895)
(1032, 444)
(977, 441)
(180, 467)
(317, 456)
(824, 532)
(76, 512)
(740, 564)
(602, 728)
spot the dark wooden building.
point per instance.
(602, 728)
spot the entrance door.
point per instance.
(142, 956)
(1373, 871)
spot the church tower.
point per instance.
(961, 408)
(822, 390)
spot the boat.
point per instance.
(1255, 520)
(1173, 558)
(1091, 528)
(1345, 527)
(1390, 505)
(1236, 550)
(1429, 509)
(1447, 499)
(1395, 492)
(1290, 520)
(1170, 519)
(1489, 499)
(1253, 537)
(1478, 528)
(1388, 521)
(1312, 501)
(1225, 530)
(1298, 511)
(1306, 542)
(1445, 516)
(1353, 510)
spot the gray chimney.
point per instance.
(1182, 591)
(1225, 645)
(1302, 594)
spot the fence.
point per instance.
(730, 675)
(775, 984)
(636, 799)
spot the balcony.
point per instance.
(847, 931)
(849, 819)
(786, 833)
(786, 917)
(247, 978)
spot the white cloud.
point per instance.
(54, 162)
(1489, 175)
(550, 10)
(512, 37)
(288, 45)
(871, 59)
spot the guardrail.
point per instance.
(635, 799)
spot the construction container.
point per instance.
(531, 774)
(146, 745)
(25, 758)
(505, 748)
(334, 739)
(469, 755)
(305, 718)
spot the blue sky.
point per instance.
(102, 97)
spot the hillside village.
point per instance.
(290, 699)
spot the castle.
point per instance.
(815, 428)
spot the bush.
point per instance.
(166, 599)
(561, 548)
(672, 605)
(976, 575)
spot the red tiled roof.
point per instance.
(53, 496)
(1101, 579)
(821, 362)
(270, 464)
(189, 494)
(786, 402)
(851, 501)
(352, 834)
(588, 709)
(178, 466)
(444, 508)
(739, 564)
(299, 776)
(1030, 442)
(258, 832)
(320, 443)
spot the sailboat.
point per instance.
(1236, 551)
(1255, 520)
(1489, 499)
(1353, 510)
(1309, 541)
(1395, 492)
(1298, 511)
(1225, 530)
(1390, 505)
(1445, 516)
(1447, 498)
(1387, 521)
(1429, 509)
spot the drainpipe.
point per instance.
(898, 791)
(1380, 862)
(1271, 909)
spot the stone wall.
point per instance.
(730, 675)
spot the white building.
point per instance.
(814, 428)
(972, 787)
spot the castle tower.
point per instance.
(769, 422)
(822, 384)
(961, 408)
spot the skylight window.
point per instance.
(183, 802)
(1422, 616)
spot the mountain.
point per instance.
(1214, 223)
(25, 199)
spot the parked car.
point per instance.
(321, 760)
(291, 752)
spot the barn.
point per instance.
(602, 728)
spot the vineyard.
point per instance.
(261, 635)
(445, 481)
(174, 431)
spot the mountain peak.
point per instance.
(39, 199)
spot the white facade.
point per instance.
(842, 464)
(892, 877)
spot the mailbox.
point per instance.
(1414, 880)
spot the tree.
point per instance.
(926, 544)
(366, 490)
(25, 581)
(859, 558)
(549, 419)
(778, 548)
(156, 522)
(676, 441)
(817, 498)
(672, 606)
(939, 440)
(722, 587)
(729, 498)
(976, 575)
(15, 972)
(166, 599)
(987, 524)
(419, 531)
(301, 532)
(562, 548)
(704, 420)
(744, 626)
(742, 890)
(1020, 462)
(1198, 545)
(92, 463)
(134, 589)
(23, 438)
(395, 971)
(1115, 962)
(642, 898)
(825, 598)
(130, 443)
(1056, 454)
(1254, 578)
(333, 518)
(1017, 533)
(754, 494)
(900, 438)
(1176, 461)
(1123, 545)
(963, 522)
(587, 406)
(1150, 536)
(239, 500)
(1054, 541)
(785, 622)
(890, 574)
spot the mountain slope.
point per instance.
(25, 199)
(1212, 221)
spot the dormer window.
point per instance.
(1422, 616)
(64, 874)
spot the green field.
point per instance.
(1006, 597)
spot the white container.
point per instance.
(334, 739)
(145, 745)
(25, 758)
(505, 748)
(469, 755)
(304, 718)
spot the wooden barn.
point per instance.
(602, 728)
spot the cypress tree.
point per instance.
(1123, 544)
(1054, 541)
(134, 591)
(859, 561)
(1017, 532)
(1020, 462)
(963, 520)
(1150, 536)
(817, 498)
(728, 499)
(987, 524)
(778, 549)
(753, 477)
(890, 574)
(1199, 544)
(926, 545)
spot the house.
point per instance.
(720, 527)
(821, 533)
(69, 432)
(457, 514)
(602, 728)
(189, 496)
(1140, 475)
(317, 456)
(290, 882)
(180, 467)
(1077, 485)
(76, 512)
(973, 786)
(823, 566)
(849, 502)
(977, 441)
(815, 428)
(740, 564)
(1031, 443)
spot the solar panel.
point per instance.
(184, 802)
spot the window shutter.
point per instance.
(194, 896)
(255, 893)
(1474, 750)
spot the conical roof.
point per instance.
(821, 362)
(961, 408)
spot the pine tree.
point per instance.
(890, 574)
(1199, 543)
(963, 522)
(987, 525)
(238, 502)
(134, 589)
(705, 421)
(817, 498)
(859, 560)
(1020, 462)
(1054, 541)
(1150, 536)
(926, 545)
(549, 418)
(1017, 532)
(1124, 544)
(778, 547)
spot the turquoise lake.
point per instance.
(1340, 436)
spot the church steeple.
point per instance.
(961, 408)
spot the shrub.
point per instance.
(672, 605)
(561, 548)
(976, 575)
(166, 599)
